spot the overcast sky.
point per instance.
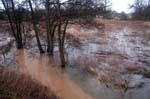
(121, 5)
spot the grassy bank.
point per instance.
(18, 86)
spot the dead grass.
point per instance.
(18, 86)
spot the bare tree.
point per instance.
(51, 24)
(75, 9)
(14, 13)
(34, 22)
(107, 5)
(140, 9)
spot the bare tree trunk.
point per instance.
(14, 21)
(35, 27)
(17, 21)
(64, 32)
(61, 39)
(9, 18)
(49, 32)
(61, 47)
(52, 35)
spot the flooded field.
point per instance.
(118, 60)
(101, 64)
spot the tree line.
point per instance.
(141, 10)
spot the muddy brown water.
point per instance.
(43, 69)
(118, 55)
(73, 83)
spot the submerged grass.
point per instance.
(18, 86)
